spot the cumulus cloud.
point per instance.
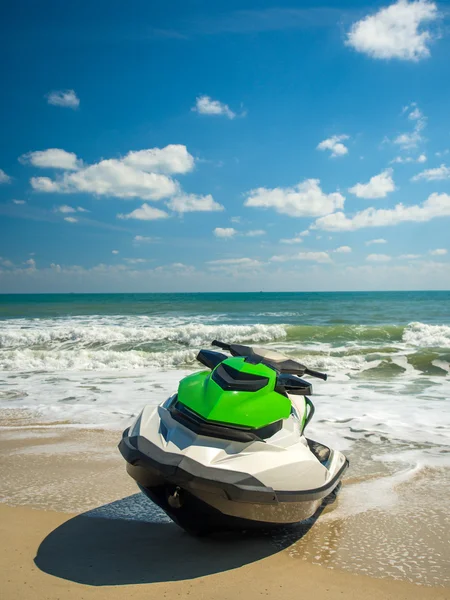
(205, 105)
(255, 233)
(399, 31)
(67, 98)
(110, 178)
(305, 199)
(409, 159)
(438, 252)
(409, 256)
(378, 258)
(436, 205)
(378, 186)
(411, 139)
(143, 174)
(320, 257)
(4, 178)
(145, 213)
(439, 173)
(295, 240)
(53, 158)
(171, 159)
(114, 252)
(64, 208)
(335, 145)
(343, 250)
(376, 241)
(224, 232)
(183, 203)
(71, 219)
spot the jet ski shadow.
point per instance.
(132, 541)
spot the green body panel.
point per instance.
(248, 409)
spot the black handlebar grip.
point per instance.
(220, 345)
(323, 376)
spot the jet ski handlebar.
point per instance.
(283, 364)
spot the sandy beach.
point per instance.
(116, 543)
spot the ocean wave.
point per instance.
(131, 337)
(427, 336)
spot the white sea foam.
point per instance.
(427, 336)
(133, 332)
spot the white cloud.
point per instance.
(295, 240)
(139, 239)
(67, 98)
(415, 114)
(442, 172)
(376, 241)
(171, 159)
(19, 202)
(145, 213)
(255, 233)
(442, 153)
(409, 159)
(378, 258)
(409, 256)
(205, 105)
(397, 31)
(408, 141)
(64, 208)
(411, 139)
(343, 250)
(31, 264)
(114, 252)
(320, 257)
(305, 199)
(378, 186)
(183, 203)
(335, 145)
(438, 252)
(4, 178)
(110, 178)
(224, 232)
(136, 261)
(436, 205)
(140, 174)
(235, 219)
(71, 219)
(53, 158)
(235, 262)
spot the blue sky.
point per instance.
(155, 146)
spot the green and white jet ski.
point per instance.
(228, 450)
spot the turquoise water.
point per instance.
(60, 353)
(320, 308)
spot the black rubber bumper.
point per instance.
(239, 487)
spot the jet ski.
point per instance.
(229, 451)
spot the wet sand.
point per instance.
(46, 554)
(72, 525)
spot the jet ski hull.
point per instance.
(202, 499)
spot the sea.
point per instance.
(92, 361)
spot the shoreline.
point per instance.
(47, 554)
(67, 488)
